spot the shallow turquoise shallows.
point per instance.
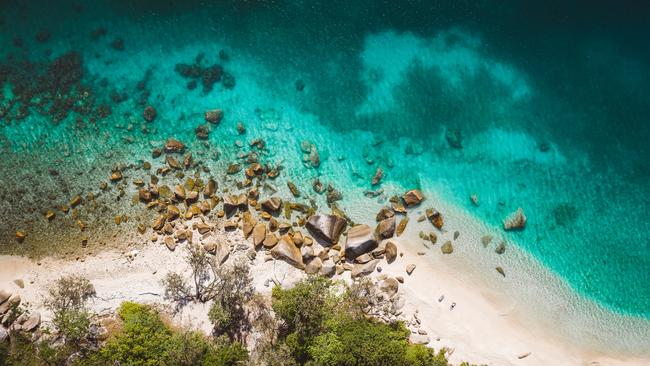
(516, 104)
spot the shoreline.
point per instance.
(485, 327)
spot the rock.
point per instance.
(32, 322)
(202, 132)
(4, 296)
(435, 217)
(14, 300)
(390, 286)
(174, 146)
(259, 234)
(386, 228)
(214, 116)
(149, 113)
(231, 203)
(20, 236)
(328, 268)
(270, 240)
(314, 157)
(317, 185)
(298, 239)
(402, 226)
(248, 224)
(447, 248)
(454, 138)
(474, 199)
(307, 253)
(501, 271)
(229, 225)
(486, 240)
(333, 195)
(223, 252)
(170, 243)
(379, 175)
(203, 228)
(314, 266)
(400, 279)
(272, 204)
(327, 228)
(410, 268)
(523, 355)
(172, 212)
(433, 238)
(158, 223)
(501, 248)
(456, 234)
(363, 258)
(4, 334)
(390, 252)
(210, 247)
(179, 191)
(384, 213)
(287, 251)
(412, 198)
(516, 221)
(210, 188)
(20, 282)
(419, 339)
(365, 268)
(294, 190)
(233, 169)
(360, 240)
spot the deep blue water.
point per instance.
(540, 106)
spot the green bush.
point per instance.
(321, 328)
(146, 340)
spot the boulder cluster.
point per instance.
(13, 317)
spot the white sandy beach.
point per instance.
(483, 328)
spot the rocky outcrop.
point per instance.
(327, 228)
(516, 221)
(360, 240)
(287, 251)
(412, 198)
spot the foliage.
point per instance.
(146, 340)
(67, 300)
(322, 328)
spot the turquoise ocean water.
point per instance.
(543, 107)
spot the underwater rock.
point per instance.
(116, 176)
(454, 138)
(333, 195)
(486, 240)
(294, 190)
(117, 44)
(314, 157)
(384, 213)
(501, 271)
(379, 175)
(317, 185)
(435, 217)
(327, 228)
(360, 240)
(20, 236)
(501, 248)
(474, 199)
(149, 113)
(516, 221)
(300, 85)
(174, 146)
(447, 248)
(287, 251)
(202, 132)
(214, 116)
(413, 197)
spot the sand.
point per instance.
(483, 328)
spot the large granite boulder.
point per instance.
(360, 240)
(287, 251)
(32, 322)
(327, 228)
(386, 228)
(4, 295)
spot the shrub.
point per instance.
(67, 300)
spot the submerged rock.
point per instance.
(501, 271)
(501, 248)
(149, 113)
(327, 228)
(174, 146)
(447, 248)
(402, 226)
(516, 221)
(379, 175)
(360, 240)
(214, 116)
